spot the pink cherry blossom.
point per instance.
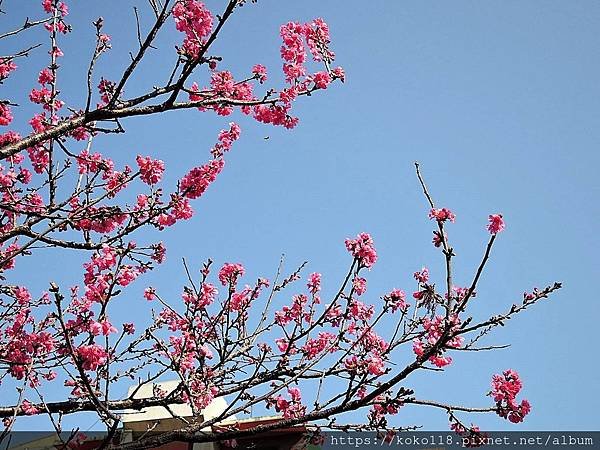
(282, 344)
(396, 300)
(195, 20)
(362, 249)
(375, 365)
(195, 183)
(505, 388)
(318, 40)
(151, 170)
(230, 273)
(275, 115)
(292, 50)
(149, 294)
(91, 356)
(442, 214)
(226, 139)
(496, 223)
(45, 77)
(295, 313)
(322, 80)
(437, 239)
(360, 285)
(422, 276)
(260, 72)
(314, 283)
(28, 408)
(291, 408)
(338, 72)
(40, 96)
(6, 67)
(434, 329)
(5, 114)
(315, 346)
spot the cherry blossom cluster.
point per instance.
(471, 437)
(230, 273)
(26, 340)
(106, 89)
(7, 66)
(373, 364)
(260, 73)
(442, 214)
(151, 170)
(296, 37)
(197, 180)
(297, 312)
(396, 300)
(314, 283)
(362, 249)
(196, 21)
(226, 139)
(383, 406)
(496, 223)
(434, 330)
(47, 94)
(505, 388)
(59, 10)
(290, 408)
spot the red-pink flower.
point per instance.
(375, 365)
(294, 313)
(322, 80)
(496, 223)
(422, 276)
(226, 139)
(360, 285)
(315, 346)
(275, 115)
(56, 52)
(290, 409)
(437, 238)
(151, 170)
(362, 249)
(260, 73)
(318, 40)
(292, 50)
(282, 344)
(396, 300)
(45, 76)
(40, 96)
(28, 408)
(230, 273)
(159, 253)
(505, 388)
(5, 114)
(314, 283)
(434, 329)
(105, 328)
(195, 20)
(91, 356)
(338, 72)
(195, 183)
(149, 294)
(442, 214)
(6, 67)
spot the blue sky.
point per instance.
(497, 100)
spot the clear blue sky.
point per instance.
(498, 100)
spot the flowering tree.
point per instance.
(310, 361)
